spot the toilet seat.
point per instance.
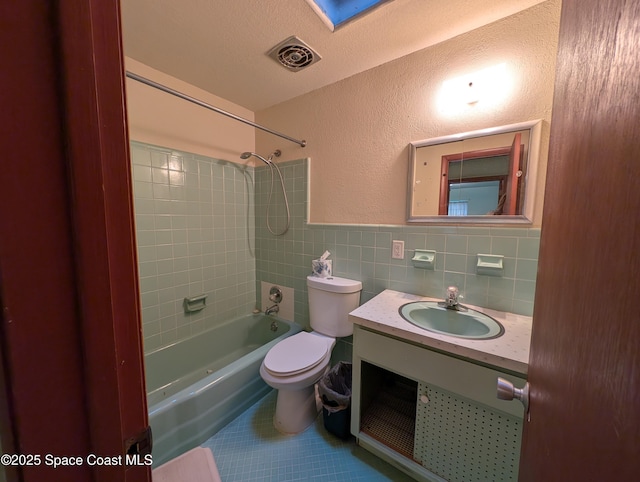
(297, 354)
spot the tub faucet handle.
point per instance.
(272, 309)
(275, 294)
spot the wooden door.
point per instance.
(70, 331)
(513, 180)
(585, 353)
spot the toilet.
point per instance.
(294, 365)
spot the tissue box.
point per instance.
(321, 267)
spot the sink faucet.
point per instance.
(453, 293)
(451, 302)
(272, 309)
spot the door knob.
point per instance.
(506, 391)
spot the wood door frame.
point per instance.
(443, 205)
(514, 179)
(71, 331)
(98, 152)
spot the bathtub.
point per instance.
(198, 385)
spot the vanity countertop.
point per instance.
(510, 351)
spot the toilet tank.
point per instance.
(330, 302)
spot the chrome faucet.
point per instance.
(275, 295)
(452, 300)
(272, 309)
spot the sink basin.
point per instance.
(471, 324)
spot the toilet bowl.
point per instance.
(296, 364)
(293, 367)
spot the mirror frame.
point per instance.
(530, 176)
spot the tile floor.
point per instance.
(251, 449)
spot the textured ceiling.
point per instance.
(221, 46)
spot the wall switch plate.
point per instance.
(397, 249)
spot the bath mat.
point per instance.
(196, 465)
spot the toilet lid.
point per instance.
(296, 354)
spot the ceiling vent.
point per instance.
(294, 54)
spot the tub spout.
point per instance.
(272, 309)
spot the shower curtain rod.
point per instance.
(171, 91)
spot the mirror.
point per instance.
(484, 176)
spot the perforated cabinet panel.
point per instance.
(460, 440)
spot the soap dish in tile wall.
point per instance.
(424, 259)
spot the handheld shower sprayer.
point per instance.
(247, 155)
(269, 162)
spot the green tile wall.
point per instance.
(364, 253)
(200, 231)
(195, 234)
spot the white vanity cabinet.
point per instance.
(434, 415)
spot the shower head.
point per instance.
(272, 167)
(247, 155)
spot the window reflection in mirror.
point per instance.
(481, 176)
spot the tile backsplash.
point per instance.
(363, 252)
(201, 227)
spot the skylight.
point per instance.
(336, 13)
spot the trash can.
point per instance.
(335, 392)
